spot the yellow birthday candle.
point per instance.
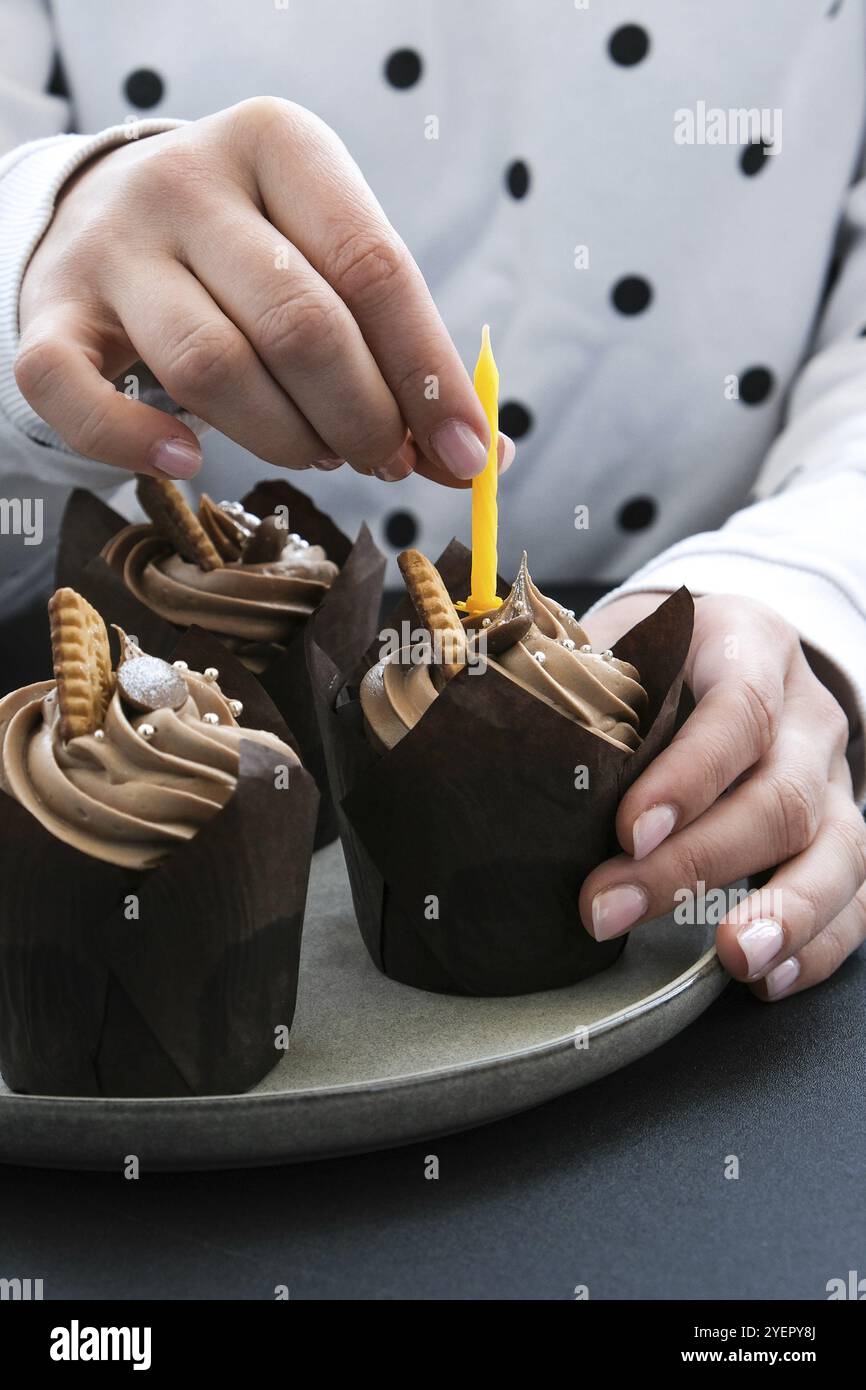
(484, 510)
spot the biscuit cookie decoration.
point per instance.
(167, 508)
(436, 610)
(82, 663)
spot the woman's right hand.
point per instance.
(243, 258)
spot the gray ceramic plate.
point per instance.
(373, 1063)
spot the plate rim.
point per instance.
(702, 967)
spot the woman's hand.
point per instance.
(244, 259)
(756, 778)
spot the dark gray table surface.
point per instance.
(619, 1186)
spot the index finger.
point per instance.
(314, 192)
(733, 725)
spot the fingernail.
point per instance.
(177, 458)
(616, 909)
(459, 448)
(781, 979)
(759, 942)
(399, 467)
(327, 465)
(507, 450)
(651, 827)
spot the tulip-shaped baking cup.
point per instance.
(468, 842)
(191, 991)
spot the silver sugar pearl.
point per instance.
(607, 655)
(211, 673)
(249, 520)
(586, 647)
(236, 707)
(210, 718)
(539, 657)
(233, 508)
(485, 622)
(568, 644)
(99, 733)
(180, 665)
(294, 538)
(569, 612)
(146, 730)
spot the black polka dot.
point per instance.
(514, 419)
(637, 514)
(401, 528)
(632, 294)
(754, 157)
(517, 179)
(144, 88)
(57, 84)
(834, 9)
(755, 385)
(628, 45)
(862, 333)
(403, 68)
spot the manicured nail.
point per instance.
(616, 909)
(505, 453)
(759, 942)
(177, 458)
(399, 467)
(780, 980)
(327, 465)
(459, 448)
(651, 827)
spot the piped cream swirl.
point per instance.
(124, 798)
(537, 644)
(252, 604)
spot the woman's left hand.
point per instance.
(755, 778)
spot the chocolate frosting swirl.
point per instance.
(541, 647)
(122, 797)
(259, 603)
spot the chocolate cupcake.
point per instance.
(155, 854)
(251, 572)
(478, 775)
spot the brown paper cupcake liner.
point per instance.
(347, 613)
(468, 843)
(186, 997)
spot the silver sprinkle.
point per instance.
(99, 733)
(294, 538)
(569, 612)
(485, 622)
(586, 647)
(233, 508)
(210, 718)
(180, 665)
(236, 707)
(249, 520)
(211, 673)
(568, 644)
(146, 730)
(540, 657)
(607, 655)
